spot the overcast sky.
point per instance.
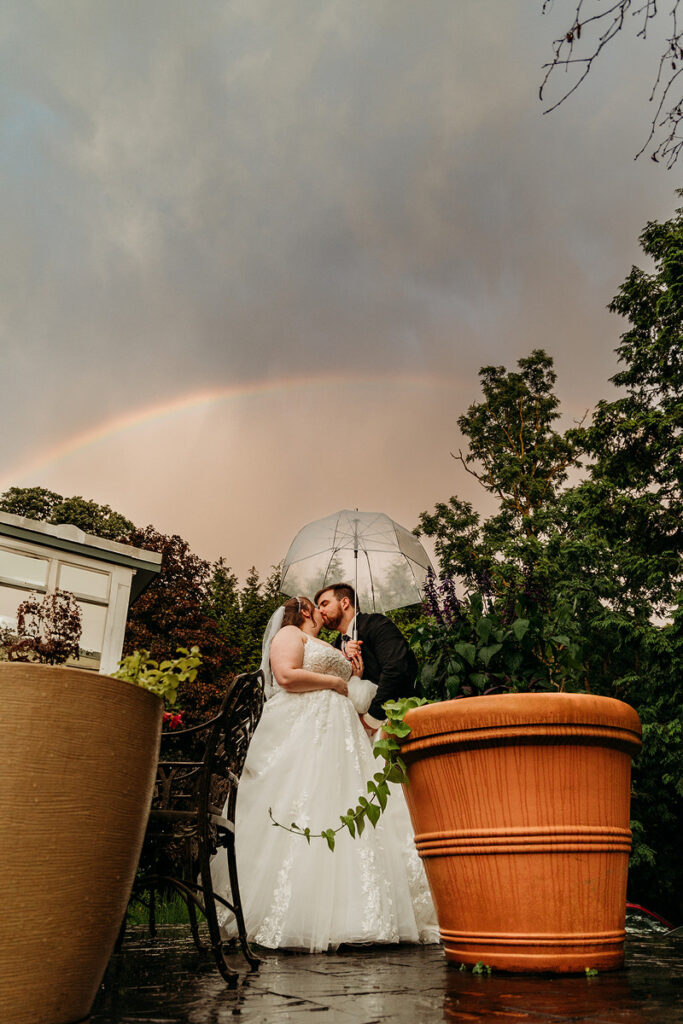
(254, 253)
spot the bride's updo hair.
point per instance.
(293, 615)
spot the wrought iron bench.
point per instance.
(187, 824)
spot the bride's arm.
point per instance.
(286, 660)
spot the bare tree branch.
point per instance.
(590, 31)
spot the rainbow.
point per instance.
(198, 399)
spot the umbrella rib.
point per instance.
(409, 562)
(336, 533)
(312, 554)
(372, 582)
(333, 552)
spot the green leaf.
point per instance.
(486, 653)
(483, 629)
(519, 627)
(378, 791)
(479, 680)
(400, 729)
(514, 662)
(564, 640)
(373, 813)
(347, 819)
(384, 748)
(428, 672)
(453, 685)
(392, 706)
(397, 774)
(466, 651)
(329, 836)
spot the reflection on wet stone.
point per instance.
(165, 981)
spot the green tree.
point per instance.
(172, 613)
(635, 487)
(241, 615)
(223, 604)
(516, 454)
(608, 548)
(100, 520)
(652, 681)
(30, 502)
(631, 508)
(50, 507)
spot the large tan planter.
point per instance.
(520, 805)
(78, 753)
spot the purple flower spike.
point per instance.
(431, 604)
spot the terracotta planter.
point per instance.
(520, 805)
(78, 753)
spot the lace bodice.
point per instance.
(320, 657)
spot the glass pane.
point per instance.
(93, 618)
(88, 582)
(10, 599)
(90, 661)
(14, 565)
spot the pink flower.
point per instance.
(173, 721)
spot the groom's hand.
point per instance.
(357, 665)
(368, 728)
(352, 649)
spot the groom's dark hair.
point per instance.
(340, 590)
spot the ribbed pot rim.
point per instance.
(21, 672)
(514, 710)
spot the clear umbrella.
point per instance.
(384, 561)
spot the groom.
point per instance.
(387, 658)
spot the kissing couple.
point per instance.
(310, 759)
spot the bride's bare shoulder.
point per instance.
(287, 635)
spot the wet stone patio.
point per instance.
(165, 981)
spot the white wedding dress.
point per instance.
(309, 760)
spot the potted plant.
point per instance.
(79, 753)
(519, 791)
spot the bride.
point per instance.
(309, 760)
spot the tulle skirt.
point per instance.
(309, 760)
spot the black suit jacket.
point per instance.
(387, 659)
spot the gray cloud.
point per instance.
(201, 194)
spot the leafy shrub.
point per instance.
(478, 645)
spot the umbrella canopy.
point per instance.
(384, 561)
